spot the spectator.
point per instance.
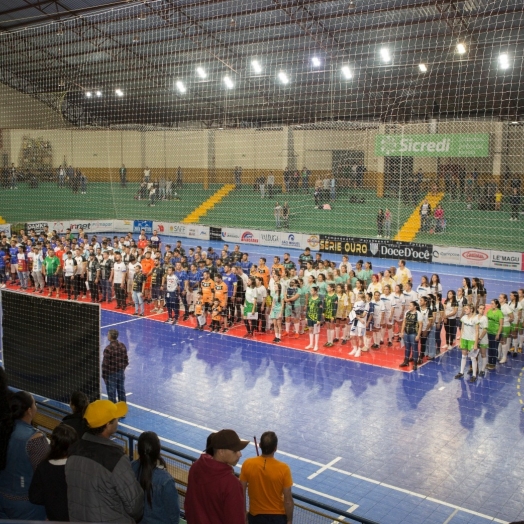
(514, 201)
(262, 185)
(123, 176)
(214, 495)
(48, 487)
(113, 367)
(440, 223)
(147, 175)
(101, 485)
(23, 447)
(387, 223)
(268, 483)
(178, 178)
(380, 223)
(270, 184)
(306, 173)
(285, 216)
(498, 199)
(78, 404)
(287, 178)
(277, 212)
(161, 496)
(238, 177)
(332, 187)
(425, 214)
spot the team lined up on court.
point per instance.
(354, 306)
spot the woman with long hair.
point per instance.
(250, 307)
(435, 285)
(23, 448)
(161, 503)
(341, 315)
(438, 318)
(468, 342)
(506, 328)
(514, 335)
(495, 325)
(520, 320)
(423, 288)
(376, 308)
(482, 338)
(467, 290)
(411, 329)
(48, 487)
(398, 314)
(427, 322)
(276, 311)
(78, 404)
(450, 318)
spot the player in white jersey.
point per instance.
(423, 289)
(520, 320)
(69, 273)
(482, 339)
(410, 295)
(171, 285)
(80, 275)
(468, 341)
(379, 312)
(388, 300)
(507, 311)
(398, 313)
(357, 323)
(514, 305)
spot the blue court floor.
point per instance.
(410, 448)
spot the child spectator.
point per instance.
(380, 223)
(216, 312)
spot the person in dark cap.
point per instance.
(214, 495)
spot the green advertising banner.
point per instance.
(445, 145)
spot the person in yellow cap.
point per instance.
(101, 485)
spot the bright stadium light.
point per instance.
(315, 61)
(346, 72)
(283, 77)
(181, 87)
(201, 73)
(503, 61)
(99, 93)
(89, 94)
(384, 53)
(257, 68)
(461, 48)
(119, 92)
(423, 68)
(228, 82)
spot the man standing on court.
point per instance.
(268, 482)
(101, 485)
(214, 495)
(113, 367)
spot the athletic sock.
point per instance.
(311, 339)
(463, 363)
(383, 334)
(317, 336)
(346, 331)
(337, 332)
(474, 365)
(246, 322)
(288, 326)
(483, 363)
(297, 328)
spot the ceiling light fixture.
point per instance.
(461, 48)
(181, 87)
(229, 83)
(257, 68)
(346, 72)
(201, 73)
(423, 68)
(283, 77)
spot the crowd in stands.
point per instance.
(80, 474)
(354, 305)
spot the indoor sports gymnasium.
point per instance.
(336, 249)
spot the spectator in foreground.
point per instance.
(48, 487)
(268, 483)
(161, 496)
(101, 485)
(78, 404)
(26, 448)
(214, 495)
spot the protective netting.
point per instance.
(362, 107)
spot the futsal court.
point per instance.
(363, 435)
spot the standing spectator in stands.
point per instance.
(106, 277)
(295, 181)
(270, 184)
(262, 185)
(238, 177)
(425, 214)
(78, 404)
(147, 175)
(285, 216)
(114, 363)
(287, 178)
(498, 199)
(83, 182)
(214, 495)
(306, 173)
(380, 223)
(22, 448)
(51, 270)
(332, 187)
(268, 483)
(61, 176)
(123, 176)
(514, 201)
(101, 485)
(48, 487)
(387, 222)
(178, 178)
(161, 496)
(13, 177)
(277, 212)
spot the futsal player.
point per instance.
(330, 312)
(221, 292)
(207, 286)
(171, 284)
(314, 311)
(157, 281)
(358, 319)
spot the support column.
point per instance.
(379, 163)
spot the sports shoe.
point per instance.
(296, 335)
(482, 374)
(473, 379)
(358, 353)
(344, 342)
(353, 352)
(470, 371)
(329, 345)
(335, 340)
(390, 344)
(503, 360)
(154, 310)
(309, 346)
(415, 367)
(459, 375)
(404, 364)
(168, 321)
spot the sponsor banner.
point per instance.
(293, 240)
(230, 234)
(312, 241)
(438, 145)
(447, 255)
(6, 228)
(138, 225)
(375, 248)
(93, 226)
(59, 227)
(475, 257)
(37, 226)
(198, 232)
(171, 228)
(506, 260)
(215, 233)
(269, 238)
(123, 226)
(250, 236)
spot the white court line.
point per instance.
(331, 468)
(450, 518)
(126, 321)
(349, 510)
(323, 468)
(352, 505)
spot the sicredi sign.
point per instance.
(439, 145)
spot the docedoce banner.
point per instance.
(439, 145)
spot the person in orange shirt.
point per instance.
(142, 241)
(207, 287)
(61, 254)
(268, 483)
(216, 315)
(278, 266)
(148, 265)
(199, 312)
(221, 296)
(263, 271)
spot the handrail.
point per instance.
(132, 438)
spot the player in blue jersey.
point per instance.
(231, 280)
(182, 277)
(13, 258)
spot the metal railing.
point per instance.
(307, 511)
